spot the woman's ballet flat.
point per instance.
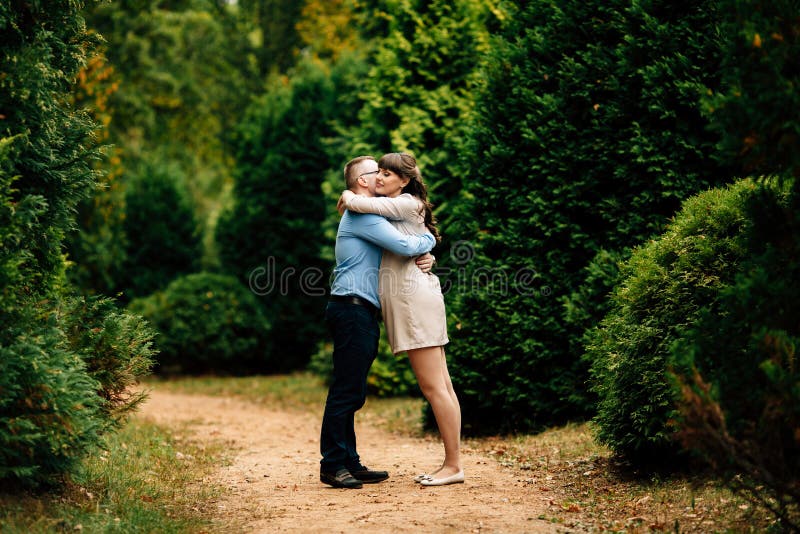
(453, 479)
(423, 476)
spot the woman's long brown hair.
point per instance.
(405, 166)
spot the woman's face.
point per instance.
(389, 184)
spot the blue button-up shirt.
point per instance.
(359, 246)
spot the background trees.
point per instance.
(271, 236)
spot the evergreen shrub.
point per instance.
(116, 347)
(50, 414)
(588, 136)
(161, 231)
(740, 403)
(207, 323)
(680, 287)
(64, 362)
(271, 237)
(743, 419)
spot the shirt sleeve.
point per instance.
(379, 231)
(403, 207)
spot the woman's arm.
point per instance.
(403, 207)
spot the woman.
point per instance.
(412, 302)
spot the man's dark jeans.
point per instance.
(355, 332)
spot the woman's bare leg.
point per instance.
(430, 367)
(452, 392)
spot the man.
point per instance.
(352, 317)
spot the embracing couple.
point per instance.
(387, 222)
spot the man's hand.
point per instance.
(341, 204)
(426, 262)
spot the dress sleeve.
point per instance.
(403, 207)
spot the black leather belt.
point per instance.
(358, 301)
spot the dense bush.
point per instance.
(208, 323)
(671, 286)
(740, 404)
(389, 376)
(589, 135)
(162, 239)
(116, 347)
(66, 378)
(50, 414)
(743, 415)
(755, 107)
(64, 362)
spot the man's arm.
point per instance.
(379, 231)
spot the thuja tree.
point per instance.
(740, 409)
(272, 235)
(60, 362)
(162, 234)
(419, 91)
(588, 136)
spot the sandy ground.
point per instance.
(271, 481)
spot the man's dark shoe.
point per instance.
(368, 476)
(341, 479)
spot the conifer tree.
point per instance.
(271, 237)
(588, 137)
(61, 364)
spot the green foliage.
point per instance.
(756, 105)
(418, 96)
(273, 26)
(741, 411)
(180, 84)
(46, 140)
(50, 414)
(207, 323)
(389, 376)
(62, 374)
(271, 237)
(670, 287)
(588, 136)
(96, 247)
(161, 231)
(116, 347)
(66, 368)
(182, 76)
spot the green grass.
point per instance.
(144, 481)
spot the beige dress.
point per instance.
(411, 301)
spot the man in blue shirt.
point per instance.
(352, 318)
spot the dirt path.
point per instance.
(272, 482)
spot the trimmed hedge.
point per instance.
(207, 323)
(674, 311)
